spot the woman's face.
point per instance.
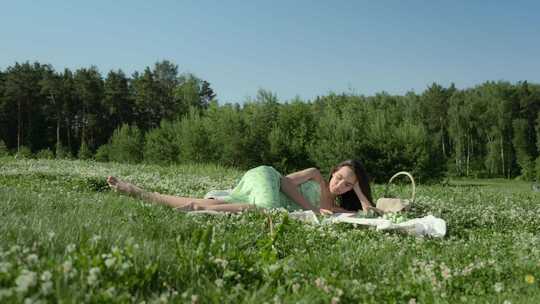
(342, 180)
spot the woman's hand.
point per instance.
(366, 204)
(376, 210)
(325, 211)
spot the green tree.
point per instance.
(161, 144)
(194, 138)
(537, 129)
(226, 127)
(126, 145)
(116, 100)
(520, 143)
(434, 103)
(3, 149)
(84, 151)
(259, 117)
(24, 101)
(338, 136)
(498, 116)
(102, 153)
(206, 94)
(166, 80)
(52, 86)
(291, 135)
(146, 96)
(187, 93)
(88, 86)
(4, 108)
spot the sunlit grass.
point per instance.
(65, 237)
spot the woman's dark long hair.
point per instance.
(349, 200)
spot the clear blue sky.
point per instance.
(304, 48)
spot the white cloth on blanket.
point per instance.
(424, 226)
(217, 194)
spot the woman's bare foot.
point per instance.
(124, 187)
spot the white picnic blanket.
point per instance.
(424, 226)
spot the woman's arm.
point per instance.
(366, 204)
(289, 187)
(314, 174)
(302, 176)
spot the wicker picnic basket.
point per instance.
(387, 204)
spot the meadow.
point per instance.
(65, 237)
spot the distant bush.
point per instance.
(3, 149)
(259, 117)
(538, 169)
(84, 152)
(45, 154)
(290, 136)
(126, 145)
(226, 130)
(24, 152)
(62, 151)
(337, 137)
(161, 144)
(193, 138)
(102, 153)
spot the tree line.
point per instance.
(164, 116)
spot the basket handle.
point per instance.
(412, 183)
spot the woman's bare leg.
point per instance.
(235, 207)
(177, 202)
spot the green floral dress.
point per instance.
(261, 186)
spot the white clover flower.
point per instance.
(95, 238)
(30, 301)
(51, 235)
(445, 272)
(164, 297)
(110, 262)
(93, 276)
(5, 267)
(274, 267)
(46, 287)
(370, 287)
(295, 287)
(67, 266)
(32, 258)
(115, 250)
(219, 283)
(70, 248)
(124, 267)
(25, 280)
(498, 287)
(5, 293)
(46, 276)
(110, 292)
(223, 263)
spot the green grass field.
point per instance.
(64, 237)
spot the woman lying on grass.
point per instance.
(264, 187)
